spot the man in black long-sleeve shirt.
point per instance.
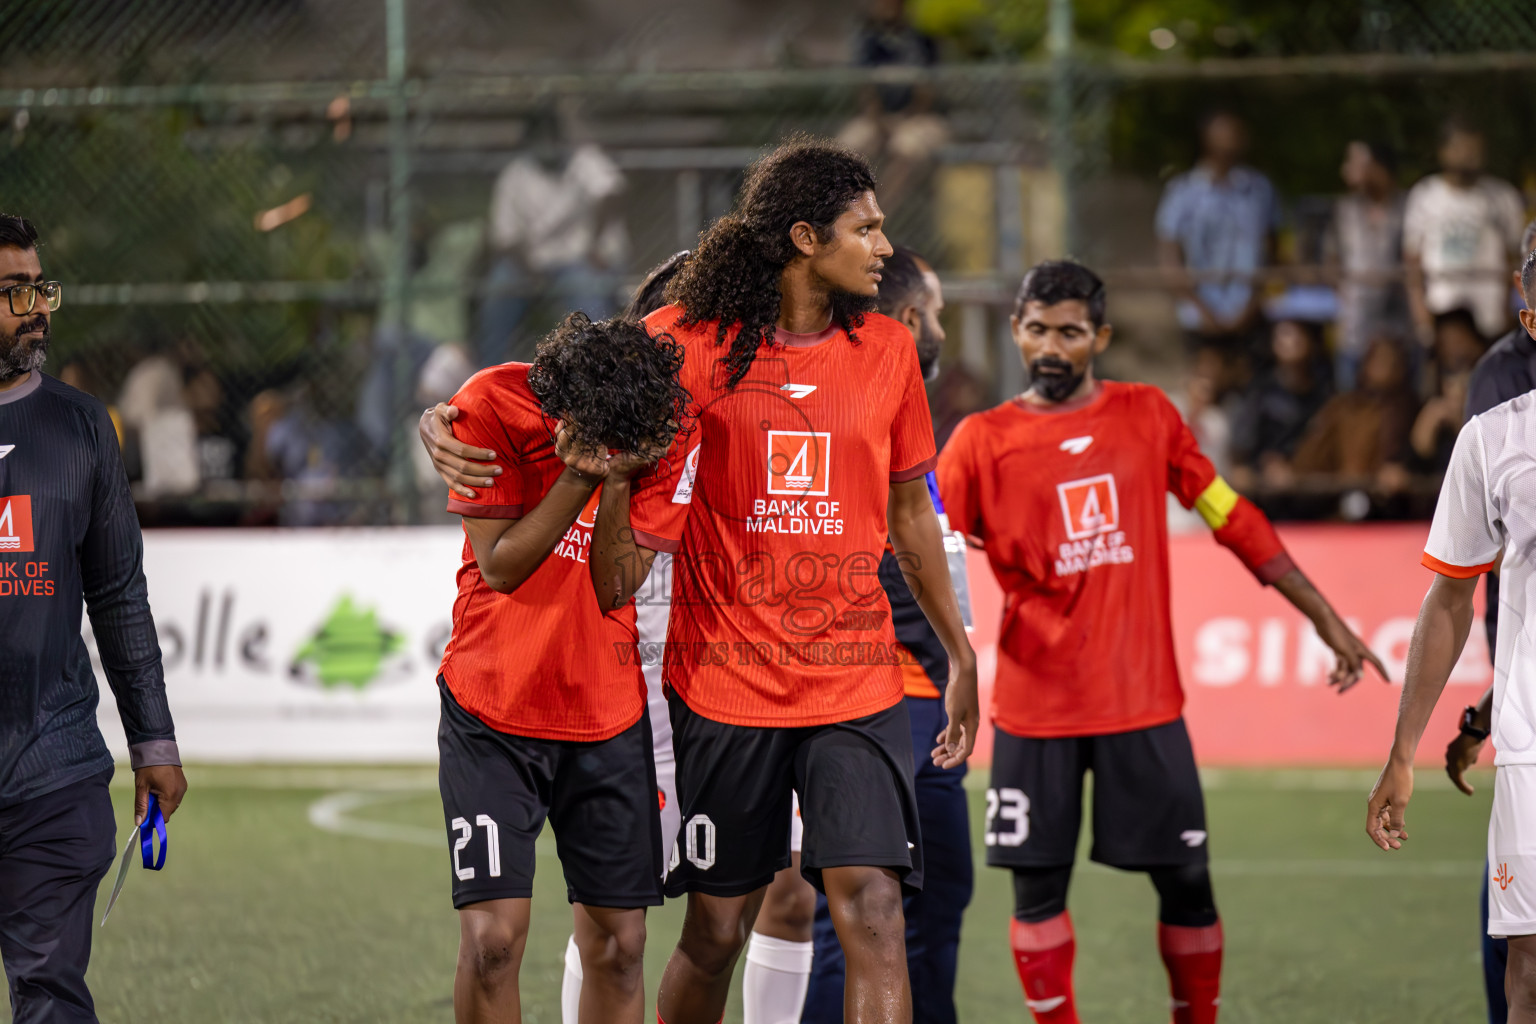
(68, 535)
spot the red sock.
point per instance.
(1043, 953)
(1193, 959)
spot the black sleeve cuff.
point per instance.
(153, 752)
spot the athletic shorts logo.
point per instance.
(797, 463)
(1193, 838)
(1503, 877)
(16, 523)
(1090, 507)
(6, 449)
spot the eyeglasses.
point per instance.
(23, 297)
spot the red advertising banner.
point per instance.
(1256, 675)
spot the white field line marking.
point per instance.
(334, 813)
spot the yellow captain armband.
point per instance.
(1216, 503)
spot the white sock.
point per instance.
(570, 985)
(774, 983)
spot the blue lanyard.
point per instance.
(154, 824)
(933, 492)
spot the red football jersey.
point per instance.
(778, 615)
(1070, 505)
(544, 661)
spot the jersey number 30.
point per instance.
(1007, 805)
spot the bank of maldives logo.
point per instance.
(798, 463)
(16, 523)
(1090, 506)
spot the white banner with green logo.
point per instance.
(300, 645)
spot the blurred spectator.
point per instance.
(1365, 243)
(1202, 409)
(216, 449)
(1509, 367)
(1456, 350)
(77, 374)
(156, 417)
(441, 377)
(1363, 433)
(1279, 407)
(1438, 423)
(266, 409)
(956, 395)
(1215, 229)
(1460, 230)
(1457, 344)
(1209, 421)
(897, 126)
(314, 453)
(555, 230)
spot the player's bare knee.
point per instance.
(714, 933)
(788, 909)
(866, 907)
(491, 947)
(1520, 973)
(614, 948)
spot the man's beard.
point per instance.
(19, 356)
(1055, 379)
(928, 346)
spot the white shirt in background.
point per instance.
(552, 218)
(1464, 238)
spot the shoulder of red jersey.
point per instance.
(494, 382)
(664, 320)
(1140, 394)
(879, 327)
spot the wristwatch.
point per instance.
(1468, 717)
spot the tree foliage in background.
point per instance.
(137, 198)
(1185, 29)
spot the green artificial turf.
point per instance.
(261, 915)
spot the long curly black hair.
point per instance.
(733, 276)
(612, 383)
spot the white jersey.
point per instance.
(1487, 507)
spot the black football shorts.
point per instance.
(600, 799)
(857, 802)
(1148, 810)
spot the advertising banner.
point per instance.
(300, 645)
(323, 645)
(1255, 673)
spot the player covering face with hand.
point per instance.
(543, 700)
(1064, 486)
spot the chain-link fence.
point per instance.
(281, 231)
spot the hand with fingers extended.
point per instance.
(1352, 653)
(463, 467)
(168, 784)
(1460, 755)
(1385, 820)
